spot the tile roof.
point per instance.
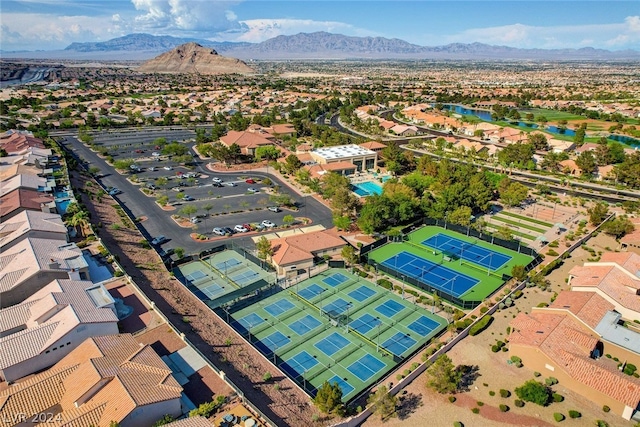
(52, 313)
(25, 181)
(373, 145)
(245, 139)
(27, 221)
(23, 199)
(569, 345)
(301, 247)
(101, 378)
(589, 307)
(190, 422)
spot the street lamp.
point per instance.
(378, 336)
(403, 286)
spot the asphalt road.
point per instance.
(223, 199)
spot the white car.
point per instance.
(230, 184)
(240, 229)
(274, 208)
(113, 191)
(219, 231)
(195, 220)
(216, 179)
(253, 190)
(158, 240)
(167, 168)
(267, 223)
(155, 154)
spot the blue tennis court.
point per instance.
(362, 293)
(364, 323)
(299, 364)
(335, 279)
(345, 386)
(332, 344)
(423, 326)
(468, 251)
(246, 277)
(436, 275)
(228, 264)
(338, 306)
(212, 290)
(275, 341)
(279, 307)
(311, 291)
(389, 308)
(195, 276)
(399, 343)
(250, 320)
(366, 367)
(304, 325)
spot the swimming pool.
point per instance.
(97, 271)
(62, 205)
(366, 188)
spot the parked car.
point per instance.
(177, 189)
(253, 190)
(219, 231)
(195, 220)
(155, 154)
(250, 181)
(240, 229)
(217, 184)
(153, 168)
(267, 223)
(274, 208)
(113, 191)
(166, 252)
(216, 179)
(159, 240)
(188, 198)
(151, 186)
(230, 184)
(228, 230)
(167, 168)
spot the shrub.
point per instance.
(605, 408)
(534, 391)
(475, 410)
(630, 369)
(267, 376)
(536, 374)
(519, 403)
(118, 273)
(552, 252)
(452, 399)
(385, 284)
(481, 325)
(551, 381)
(483, 310)
(457, 424)
(558, 416)
(504, 408)
(602, 423)
(504, 393)
(492, 393)
(558, 397)
(574, 414)
(516, 361)
(480, 403)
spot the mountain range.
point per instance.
(322, 45)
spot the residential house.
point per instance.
(105, 379)
(26, 181)
(31, 224)
(604, 172)
(284, 129)
(568, 340)
(570, 167)
(32, 263)
(319, 170)
(247, 141)
(20, 200)
(560, 146)
(16, 142)
(404, 130)
(295, 254)
(48, 325)
(373, 146)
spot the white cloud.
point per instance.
(185, 15)
(610, 36)
(263, 29)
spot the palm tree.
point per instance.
(79, 221)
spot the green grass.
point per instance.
(519, 224)
(526, 218)
(551, 115)
(514, 232)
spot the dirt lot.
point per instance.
(285, 404)
(422, 406)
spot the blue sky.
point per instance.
(53, 24)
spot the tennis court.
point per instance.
(468, 251)
(279, 307)
(436, 275)
(423, 326)
(228, 264)
(195, 276)
(246, 277)
(365, 367)
(332, 344)
(306, 330)
(305, 325)
(312, 291)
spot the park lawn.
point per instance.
(551, 115)
(498, 217)
(526, 218)
(496, 227)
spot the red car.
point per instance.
(250, 181)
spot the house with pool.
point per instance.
(362, 158)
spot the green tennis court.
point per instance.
(336, 327)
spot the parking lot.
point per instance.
(227, 204)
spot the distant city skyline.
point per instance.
(54, 24)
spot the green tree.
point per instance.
(383, 403)
(586, 161)
(263, 246)
(288, 220)
(598, 213)
(163, 200)
(344, 202)
(331, 182)
(619, 226)
(166, 419)
(514, 194)
(292, 163)
(268, 152)
(628, 172)
(94, 170)
(504, 232)
(349, 255)
(123, 164)
(342, 222)
(538, 140)
(329, 398)
(189, 211)
(460, 216)
(443, 377)
(534, 391)
(175, 149)
(518, 272)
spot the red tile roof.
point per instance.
(23, 198)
